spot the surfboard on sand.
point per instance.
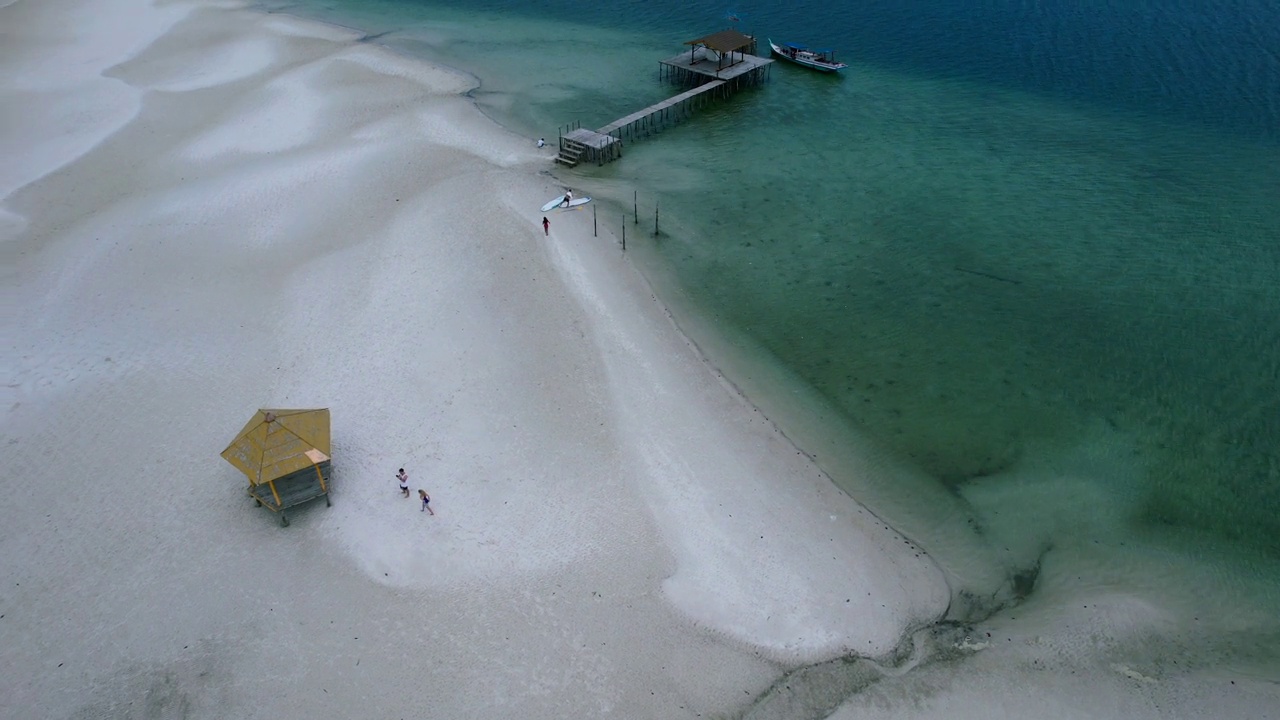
(558, 202)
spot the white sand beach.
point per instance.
(207, 210)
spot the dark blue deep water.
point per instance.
(1215, 63)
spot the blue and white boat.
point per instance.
(820, 60)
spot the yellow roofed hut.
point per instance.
(285, 455)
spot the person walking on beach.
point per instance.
(403, 477)
(426, 501)
(546, 225)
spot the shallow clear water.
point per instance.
(1010, 239)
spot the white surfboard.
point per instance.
(559, 202)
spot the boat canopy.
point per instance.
(794, 46)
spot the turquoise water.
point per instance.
(1013, 239)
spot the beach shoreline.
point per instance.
(241, 210)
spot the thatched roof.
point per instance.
(275, 443)
(724, 41)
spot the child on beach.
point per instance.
(426, 501)
(404, 482)
(546, 225)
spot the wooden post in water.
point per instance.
(624, 232)
(655, 218)
(595, 229)
(635, 205)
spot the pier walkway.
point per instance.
(717, 65)
(639, 116)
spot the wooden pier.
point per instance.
(716, 66)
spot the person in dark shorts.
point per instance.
(426, 501)
(404, 482)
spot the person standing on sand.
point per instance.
(546, 225)
(568, 198)
(426, 501)
(403, 477)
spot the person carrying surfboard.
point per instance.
(568, 198)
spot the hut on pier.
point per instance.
(727, 56)
(285, 455)
(726, 48)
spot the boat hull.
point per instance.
(804, 58)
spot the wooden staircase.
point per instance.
(570, 152)
(578, 146)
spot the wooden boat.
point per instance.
(820, 60)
